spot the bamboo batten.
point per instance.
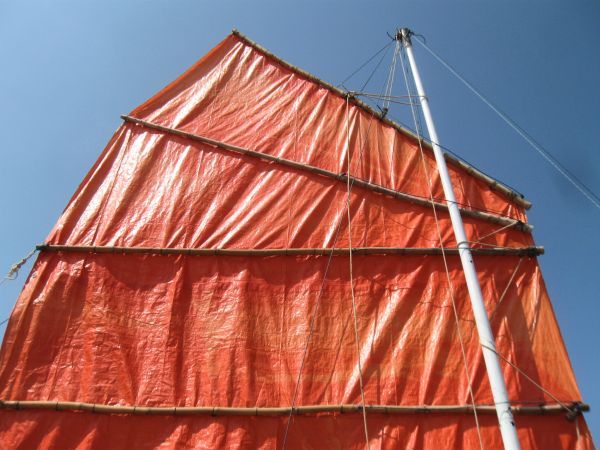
(486, 216)
(516, 251)
(491, 182)
(280, 411)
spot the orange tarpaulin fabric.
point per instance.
(168, 330)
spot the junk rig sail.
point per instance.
(254, 261)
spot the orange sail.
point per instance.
(200, 291)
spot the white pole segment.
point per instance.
(488, 345)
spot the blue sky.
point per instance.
(70, 68)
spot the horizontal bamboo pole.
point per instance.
(491, 182)
(516, 251)
(279, 411)
(481, 215)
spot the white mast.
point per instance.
(488, 345)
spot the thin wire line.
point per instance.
(313, 318)
(366, 83)
(310, 334)
(356, 338)
(465, 205)
(395, 102)
(478, 241)
(459, 157)
(449, 281)
(391, 77)
(508, 285)
(365, 63)
(549, 157)
(489, 245)
(312, 322)
(535, 383)
(370, 96)
(367, 94)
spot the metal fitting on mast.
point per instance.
(403, 35)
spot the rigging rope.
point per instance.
(314, 315)
(378, 96)
(368, 80)
(551, 159)
(459, 157)
(385, 47)
(535, 383)
(439, 232)
(390, 81)
(351, 279)
(572, 411)
(13, 273)
(501, 299)
(478, 241)
(310, 335)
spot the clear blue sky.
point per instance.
(70, 68)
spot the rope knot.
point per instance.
(13, 273)
(575, 410)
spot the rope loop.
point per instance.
(13, 273)
(575, 411)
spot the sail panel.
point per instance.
(156, 330)
(182, 330)
(45, 429)
(240, 95)
(158, 190)
(232, 331)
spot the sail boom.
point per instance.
(492, 251)
(279, 411)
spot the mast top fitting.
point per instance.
(403, 35)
